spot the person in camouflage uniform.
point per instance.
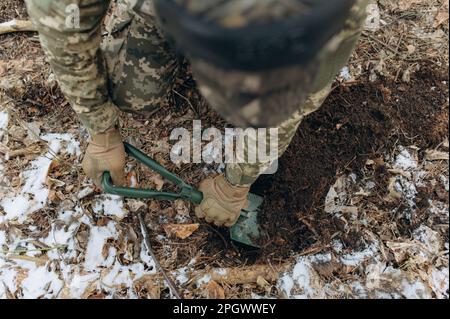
(134, 68)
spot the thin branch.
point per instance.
(23, 251)
(16, 26)
(188, 101)
(148, 245)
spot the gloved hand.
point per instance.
(222, 201)
(105, 152)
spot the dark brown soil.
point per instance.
(355, 124)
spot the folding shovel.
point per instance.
(246, 230)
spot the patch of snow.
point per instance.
(303, 281)
(406, 183)
(444, 181)
(85, 192)
(12, 23)
(415, 290)
(14, 207)
(117, 275)
(438, 281)
(79, 283)
(429, 238)
(221, 271)
(356, 258)
(409, 192)
(203, 280)
(2, 238)
(60, 236)
(181, 276)
(97, 239)
(146, 258)
(373, 19)
(34, 193)
(161, 238)
(370, 185)
(358, 289)
(301, 274)
(67, 216)
(41, 283)
(109, 205)
(72, 146)
(286, 284)
(337, 245)
(405, 160)
(345, 73)
(7, 281)
(4, 119)
(321, 258)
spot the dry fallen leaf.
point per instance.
(148, 287)
(411, 48)
(263, 283)
(181, 208)
(407, 4)
(136, 205)
(393, 195)
(91, 292)
(441, 18)
(154, 206)
(132, 179)
(2, 68)
(157, 181)
(215, 291)
(51, 195)
(180, 231)
(415, 252)
(53, 182)
(433, 155)
(445, 143)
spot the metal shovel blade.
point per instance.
(246, 230)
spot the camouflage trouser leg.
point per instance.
(140, 63)
(245, 174)
(329, 63)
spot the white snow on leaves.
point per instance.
(109, 205)
(424, 255)
(34, 193)
(4, 120)
(70, 271)
(94, 253)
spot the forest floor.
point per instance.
(358, 208)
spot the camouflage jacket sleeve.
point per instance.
(73, 50)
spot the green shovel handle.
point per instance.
(187, 191)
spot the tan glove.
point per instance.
(105, 153)
(222, 201)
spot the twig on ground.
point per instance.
(148, 245)
(23, 251)
(31, 150)
(244, 275)
(189, 102)
(16, 26)
(37, 261)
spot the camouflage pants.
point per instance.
(140, 63)
(142, 68)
